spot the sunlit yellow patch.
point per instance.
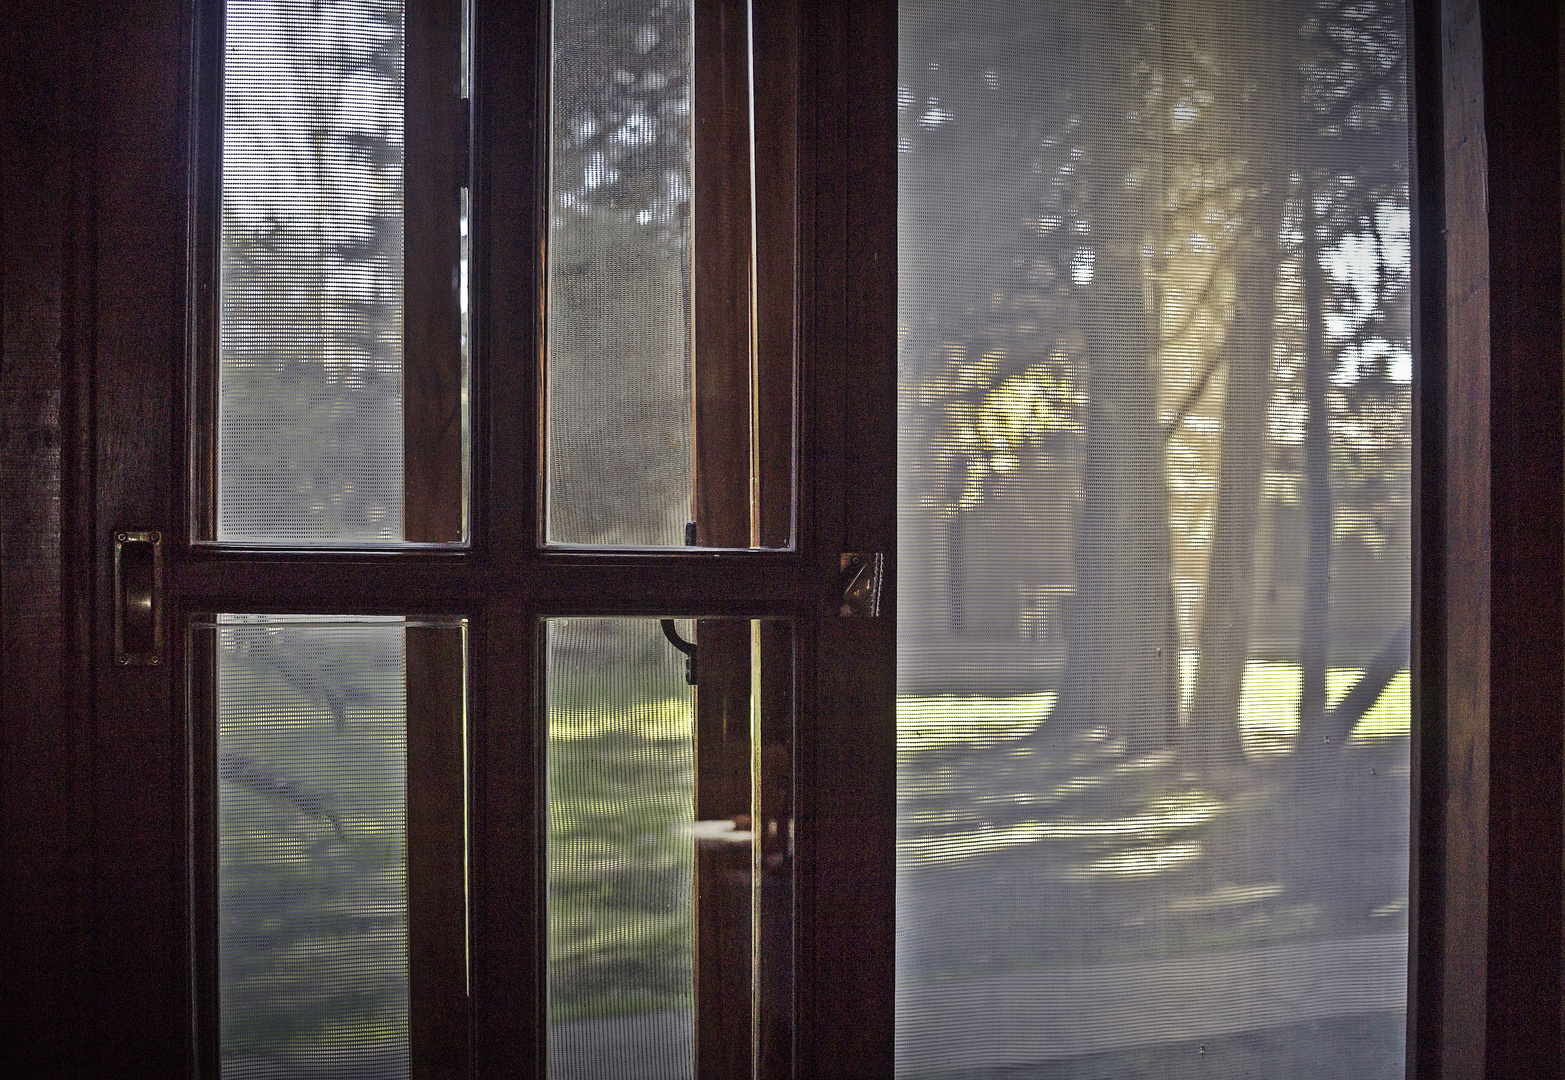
(655, 720)
(1268, 710)
(1167, 816)
(927, 722)
(1141, 861)
(1269, 705)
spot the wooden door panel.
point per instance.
(847, 726)
(94, 759)
(136, 129)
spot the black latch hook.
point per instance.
(686, 647)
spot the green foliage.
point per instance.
(310, 307)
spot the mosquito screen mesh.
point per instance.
(1155, 539)
(310, 308)
(621, 852)
(619, 360)
(312, 868)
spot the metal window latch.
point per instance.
(672, 634)
(138, 598)
(860, 574)
(686, 647)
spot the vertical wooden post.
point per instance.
(721, 233)
(433, 501)
(1526, 541)
(437, 865)
(723, 880)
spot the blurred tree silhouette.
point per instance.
(1201, 229)
(1354, 188)
(310, 319)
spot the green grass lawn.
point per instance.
(314, 923)
(1268, 711)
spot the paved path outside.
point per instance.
(653, 1046)
(1052, 1014)
(384, 1061)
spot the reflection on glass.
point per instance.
(619, 370)
(310, 417)
(312, 867)
(1155, 539)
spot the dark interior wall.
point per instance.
(1527, 537)
(44, 849)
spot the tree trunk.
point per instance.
(1338, 724)
(1213, 734)
(1314, 623)
(1122, 643)
(1258, 56)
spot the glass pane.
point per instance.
(1155, 540)
(619, 370)
(315, 903)
(310, 368)
(312, 877)
(325, 433)
(668, 385)
(652, 858)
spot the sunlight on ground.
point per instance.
(924, 723)
(1268, 711)
(1171, 815)
(656, 720)
(1268, 718)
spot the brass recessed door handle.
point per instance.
(138, 598)
(860, 574)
